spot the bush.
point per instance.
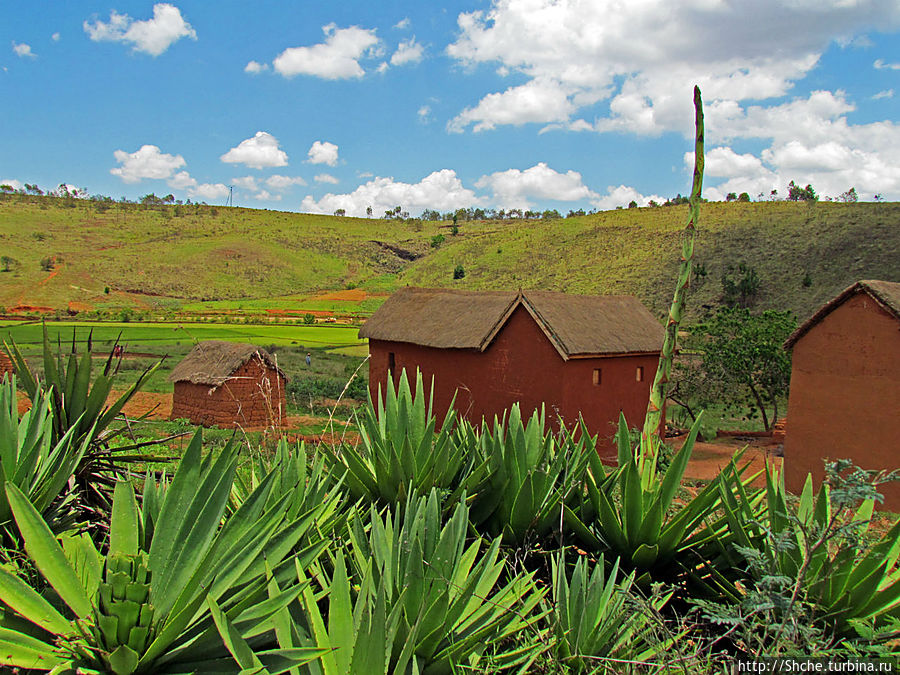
(304, 388)
(437, 240)
(459, 272)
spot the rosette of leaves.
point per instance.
(414, 596)
(178, 591)
(402, 451)
(599, 614)
(640, 520)
(531, 473)
(31, 461)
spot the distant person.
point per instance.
(308, 359)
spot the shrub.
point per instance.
(437, 240)
(459, 272)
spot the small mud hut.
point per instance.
(845, 387)
(587, 355)
(6, 365)
(225, 383)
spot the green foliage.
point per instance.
(740, 286)
(531, 474)
(459, 272)
(632, 512)
(599, 616)
(177, 591)
(309, 319)
(30, 460)
(419, 597)
(303, 388)
(437, 240)
(402, 451)
(799, 194)
(743, 360)
(815, 577)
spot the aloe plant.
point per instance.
(30, 460)
(401, 450)
(531, 473)
(414, 596)
(645, 526)
(599, 616)
(178, 590)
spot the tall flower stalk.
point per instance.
(650, 441)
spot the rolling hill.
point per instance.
(77, 255)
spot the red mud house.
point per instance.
(224, 383)
(588, 354)
(845, 386)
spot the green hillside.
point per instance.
(77, 255)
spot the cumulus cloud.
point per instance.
(642, 57)
(514, 188)
(622, 196)
(153, 36)
(887, 93)
(246, 182)
(255, 68)
(335, 59)
(266, 196)
(23, 50)
(323, 152)
(441, 190)
(402, 24)
(536, 101)
(276, 182)
(326, 178)
(184, 181)
(148, 162)
(258, 152)
(424, 114)
(408, 51)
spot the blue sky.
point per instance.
(538, 104)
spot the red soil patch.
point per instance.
(24, 309)
(351, 295)
(708, 459)
(79, 306)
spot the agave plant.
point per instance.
(31, 461)
(651, 532)
(598, 615)
(79, 410)
(402, 452)
(178, 591)
(425, 600)
(819, 549)
(531, 474)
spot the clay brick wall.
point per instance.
(521, 365)
(845, 395)
(254, 395)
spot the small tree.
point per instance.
(742, 354)
(849, 196)
(459, 272)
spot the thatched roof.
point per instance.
(576, 325)
(885, 293)
(214, 361)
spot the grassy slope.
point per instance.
(150, 258)
(635, 251)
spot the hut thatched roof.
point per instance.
(576, 325)
(212, 362)
(885, 293)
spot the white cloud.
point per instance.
(258, 152)
(266, 196)
(881, 65)
(181, 181)
(153, 36)
(23, 50)
(276, 182)
(255, 68)
(326, 178)
(209, 191)
(13, 183)
(323, 152)
(623, 195)
(408, 51)
(335, 59)
(245, 182)
(55, 37)
(536, 101)
(148, 162)
(643, 56)
(402, 24)
(424, 113)
(441, 190)
(516, 189)
(887, 93)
